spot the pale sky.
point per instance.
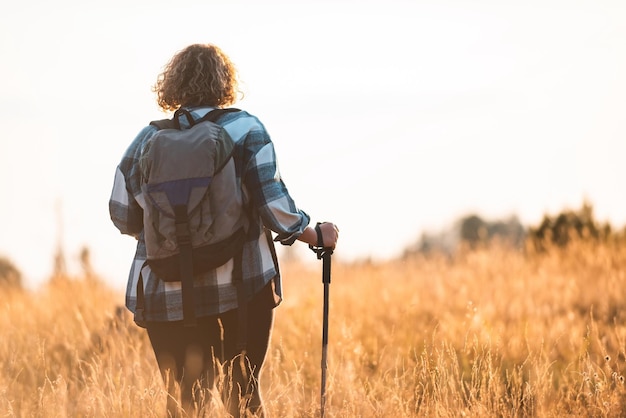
(389, 118)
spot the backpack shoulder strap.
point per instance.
(173, 123)
(215, 114)
(165, 124)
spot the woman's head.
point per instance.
(199, 75)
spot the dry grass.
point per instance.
(491, 333)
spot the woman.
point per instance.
(198, 79)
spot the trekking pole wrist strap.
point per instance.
(320, 237)
(319, 249)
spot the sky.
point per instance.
(390, 118)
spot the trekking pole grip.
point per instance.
(326, 266)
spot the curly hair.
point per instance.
(199, 75)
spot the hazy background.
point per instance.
(390, 118)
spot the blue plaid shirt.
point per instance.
(264, 192)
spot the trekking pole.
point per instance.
(324, 254)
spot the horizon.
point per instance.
(81, 265)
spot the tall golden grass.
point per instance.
(491, 332)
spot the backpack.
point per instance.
(194, 216)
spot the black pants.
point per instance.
(193, 360)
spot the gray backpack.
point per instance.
(194, 217)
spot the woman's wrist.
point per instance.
(308, 236)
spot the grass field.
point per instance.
(489, 333)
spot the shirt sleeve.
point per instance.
(268, 193)
(125, 211)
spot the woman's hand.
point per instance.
(330, 234)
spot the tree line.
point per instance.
(473, 231)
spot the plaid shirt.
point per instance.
(267, 198)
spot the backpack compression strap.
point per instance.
(183, 236)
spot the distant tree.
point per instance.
(10, 276)
(561, 229)
(474, 231)
(509, 231)
(85, 263)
